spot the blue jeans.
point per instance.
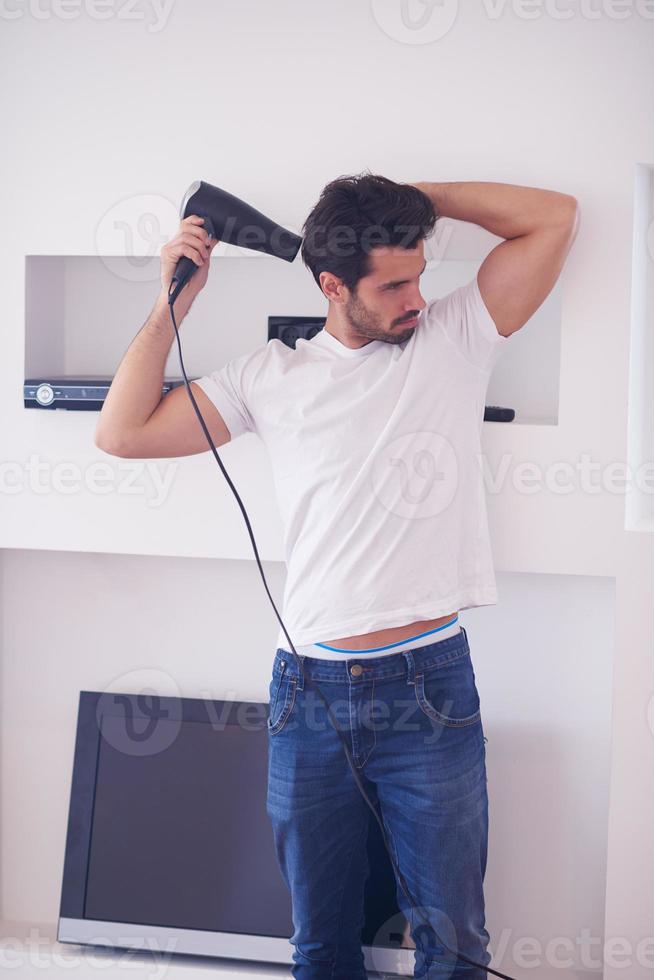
(412, 723)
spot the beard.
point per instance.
(364, 323)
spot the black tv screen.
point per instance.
(169, 846)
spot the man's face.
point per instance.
(388, 296)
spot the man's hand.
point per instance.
(193, 241)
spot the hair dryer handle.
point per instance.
(186, 266)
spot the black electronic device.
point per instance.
(169, 846)
(495, 413)
(75, 394)
(289, 329)
(229, 219)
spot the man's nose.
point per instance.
(416, 303)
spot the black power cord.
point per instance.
(400, 877)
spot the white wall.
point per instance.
(270, 101)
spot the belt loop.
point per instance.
(410, 666)
(300, 679)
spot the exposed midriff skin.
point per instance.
(392, 635)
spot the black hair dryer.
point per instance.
(231, 220)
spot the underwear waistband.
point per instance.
(322, 651)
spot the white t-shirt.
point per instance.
(376, 458)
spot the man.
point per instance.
(373, 429)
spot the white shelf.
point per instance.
(82, 312)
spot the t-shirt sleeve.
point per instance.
(463, 317)
(227, 389)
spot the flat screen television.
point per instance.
(169, 847)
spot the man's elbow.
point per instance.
(564, 219)
(568, 212)
(110, 444)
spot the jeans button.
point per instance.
(356, 670)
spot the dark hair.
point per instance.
(357, 214)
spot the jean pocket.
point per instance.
(448, 694)
(281, 700)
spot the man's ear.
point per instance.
(333, 288)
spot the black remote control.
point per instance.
(494, 413)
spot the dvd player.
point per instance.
(78, 394)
